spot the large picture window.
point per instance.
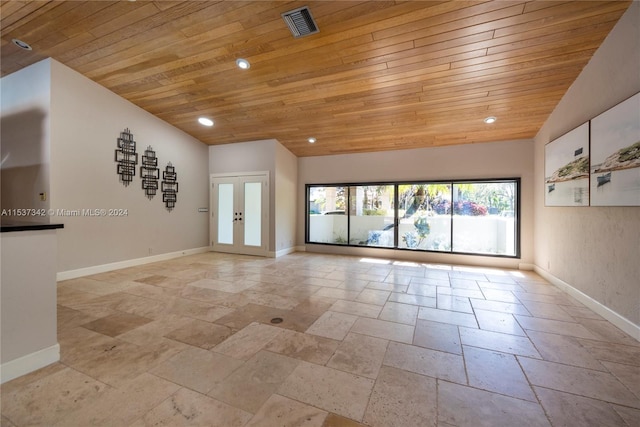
(467, 217)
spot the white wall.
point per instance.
(247, 156)
(24, 131)
(594, 249)
(86, 120)
(28, 336)
(286, 183)
(491, 160)
(265, 155)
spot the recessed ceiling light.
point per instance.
(311, 140)
(490, 120)
(21, 44)
(205, 122)
(243, 63)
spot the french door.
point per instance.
(240, 213)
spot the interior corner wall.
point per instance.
(245, 157)
(286, 183)
(594, 249)
(510, 159)
(86, 120)
(24, 132)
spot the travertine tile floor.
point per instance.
(363, 342)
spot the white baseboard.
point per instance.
(621, 322)
(29, 363)
(525, 266)
(88, 271)
(301, 248)
(282, 252)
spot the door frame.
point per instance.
(265, 227)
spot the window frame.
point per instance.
(517, 214)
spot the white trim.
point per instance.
(31, 362)
(301, 248)
(417, 256)
(282, 252)
(525, 266)
(621, 322)
(236, 174)
(88, 271)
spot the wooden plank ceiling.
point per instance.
(380, 75)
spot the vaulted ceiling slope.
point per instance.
(380, 75)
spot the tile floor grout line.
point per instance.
(497, 341)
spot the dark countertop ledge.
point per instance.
(10, 226)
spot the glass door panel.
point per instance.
(252, 213)
(225, 212)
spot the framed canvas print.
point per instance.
(615, 155)
(566, 169)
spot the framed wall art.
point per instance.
(615, 155)
(566, 169)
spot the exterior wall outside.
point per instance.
(490, 233)
(594, 249)
(510, 159)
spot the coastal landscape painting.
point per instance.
(566, 169)
(615, 155)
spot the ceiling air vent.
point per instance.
(300, 22)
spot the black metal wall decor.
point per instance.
(169, 187)
(150, 173)
(126, 157)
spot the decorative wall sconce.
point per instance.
(126, 157)
(149, 173)
(169, 187)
